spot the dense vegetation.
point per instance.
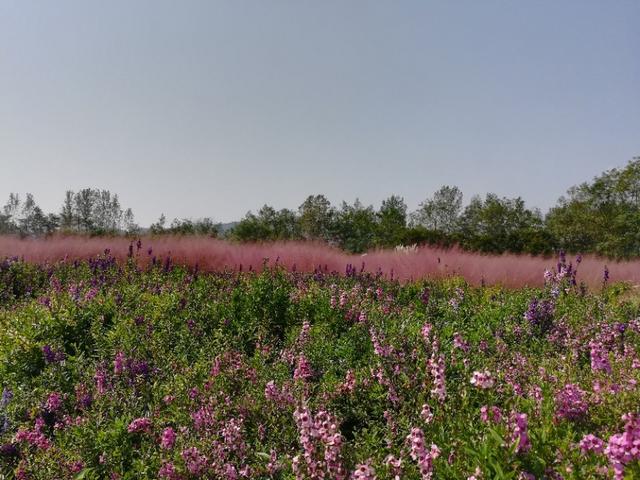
(111, 371)
(601, 217)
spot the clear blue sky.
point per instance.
(211, 108)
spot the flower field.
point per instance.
(110, 369)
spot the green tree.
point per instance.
(440, 212)
(391, 222)
(355, 227)
(500, 224)
(601, 216)
(316, 217)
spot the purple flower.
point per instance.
(571, 403)
(168, 439)
(142, 424)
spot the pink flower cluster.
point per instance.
(490, 414)
(142, 424)
(571, 402)
(195, 462)
(460, 343)
(303, 369)
(421, 455)
(520, 431)
(53, 402)
(322, 445)
(482, 380)
(280, 396)
(34, 437)
(599, 357)
(364, 472)
(168, 438)
(436, 366)
(624, 448)
(591, 443)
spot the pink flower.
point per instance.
(168, 438)
(303, 369)
(591, 443)
(364, 472)
(624, 447)
(421, 455)
(519, 432)
(426, 414)
(482, 380)
(54, 402)
(139, 425)
(571, 403)
(118, 363)
(436, 365)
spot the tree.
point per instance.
(355, 226)
(441, 211)
(158, 227)
(67, 219)
(83, 210)
(316, 217)
(499, 224)
(601, 216)
(391, 222)
(130, 226)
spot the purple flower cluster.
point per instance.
(623, 448)
(571, 402)
(419, 452)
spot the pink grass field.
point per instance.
(216, 255)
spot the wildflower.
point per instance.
(426, 414)
(395, 465)
(460, 343)
(168, 471)
(364, 472)
(303, 369)
(195, 462)
(539, 314)
(519, 432)
(51, 356)
(118, 363)
(599, 357)
(591, 443)
(139, 425)
(349, 384)
(53, 402)
(168, 438)
(493, 414)
(624, 447)
(273, 466)
(437, 368)
(571, 403)
(482, 380)
(426, 330)
(420, 454)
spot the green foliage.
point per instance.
(197, 353)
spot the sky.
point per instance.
(213, 108)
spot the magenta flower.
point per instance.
(139, 425)
(482, 380)
(591, 443)
(168, 438)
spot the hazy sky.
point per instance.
(211, 108)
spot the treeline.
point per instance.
(88, 211)
(601, 216)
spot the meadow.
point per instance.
(134, 364)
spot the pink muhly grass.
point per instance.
(218, 255)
